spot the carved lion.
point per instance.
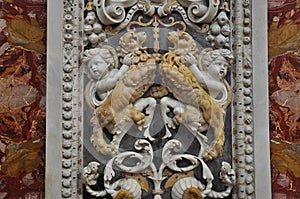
(182, 43)
(132, 42)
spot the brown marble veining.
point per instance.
(284, 97)
(22, 98)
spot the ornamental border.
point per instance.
(242, 122)
(71, 113)
(242, 105)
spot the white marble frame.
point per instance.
(60, 117)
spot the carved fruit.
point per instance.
(225, 30)
(88, 29)
(93, 38)
(222, 18)
(102, 37)
(220, 41)
(210, 38)
(215, 29)
(90, 18)
(97, 27)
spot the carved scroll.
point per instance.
(156, 72)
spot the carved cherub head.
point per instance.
(182, 43)
(99, 61)
(132, 41)
(216, 62)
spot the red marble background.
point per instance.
(22, 98)
(284, 96)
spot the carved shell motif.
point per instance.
(128, 188)
(187, 188)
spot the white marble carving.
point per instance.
(194, 103)
(170, 154)
(72, 22)
(93, 31)
(101, 67)
(193, 12)
(211, 72)
(136, 106)
(200, 11)
(147, 104)
(191, 187)
(219, 32)
(189, 116)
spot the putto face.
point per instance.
(97, 67)
(218, 68)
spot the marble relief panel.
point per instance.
(22, 98)
(284, 85)
(157, 96)
(155, 100)
(23, 76)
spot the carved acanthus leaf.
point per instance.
(171, 159)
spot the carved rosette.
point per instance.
(124, 92)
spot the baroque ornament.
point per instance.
(139, 78)
(195, 13)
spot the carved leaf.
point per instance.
(177, 176)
